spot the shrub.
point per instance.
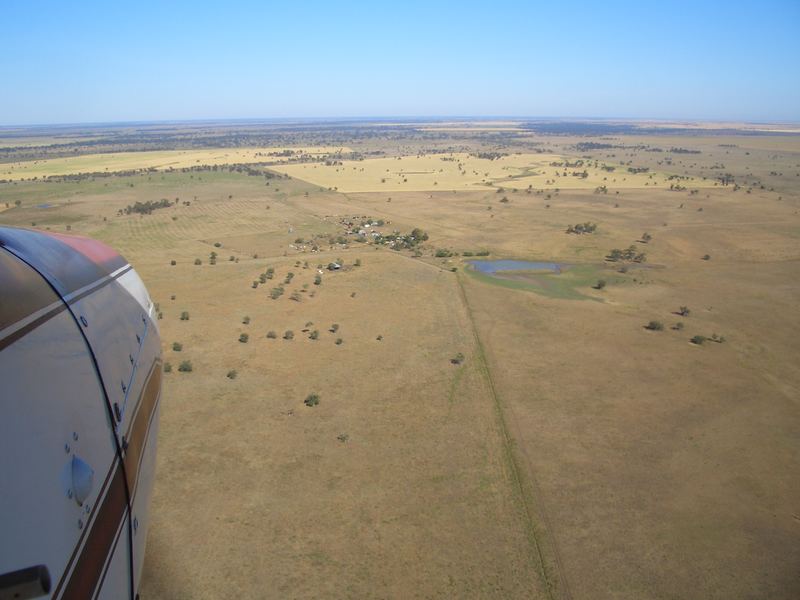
(684, 311)
(655, 326)
(318, 280)
(177, 346)
(167, 367)
(197, 261)
(443, 253)
(601, 283)
(272, 335)
(334, 328)
(698, 340)
(678, 326)
(185, 366)
(357, 263)
(217, 245)
(172, 297)
(339, 341)
(173, 263)
(246, 321)
(244, 338)
(314, 335)
(289, 335)
(457, 359)
(231, 258)
(231, 374)
(311, 400)
(184, 316)
(254, 285)
(379, 338)
(706, 257)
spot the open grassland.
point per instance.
(461, 171)
(568, 452)
(158, 160)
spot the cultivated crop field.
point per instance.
(352, 412)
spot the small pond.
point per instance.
(494, 266)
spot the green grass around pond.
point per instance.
(564, 285)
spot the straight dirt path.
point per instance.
(541, 538)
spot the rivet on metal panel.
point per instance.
(84, 321)
(124, 387)
(75, 435)
(80, 524)
(130, 358)
(117, 412)
(135, 524)
(66, 448)
(69, 493)
(138, 339)
(124, 443)
(87, 509)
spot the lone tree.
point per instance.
(698, 340)
(231, 374)
(334, 328)
(289, 335)
(246, 321)
(272, 335)
(684, 311)
(311, 400)
(646, 237)
(457, 359)
(655, 326)
(185, 316)
(314, 335)
(177, 346)
(244, 338)
(601, 283)
(185, 366)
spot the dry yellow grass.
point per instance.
(159, 160)
(573, 454)
(460, 171)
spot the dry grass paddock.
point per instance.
(572, 454)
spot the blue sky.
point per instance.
(101, 62)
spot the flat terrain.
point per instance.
(155, 160)
(475, 437)
(461, 171)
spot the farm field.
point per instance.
(400, 426)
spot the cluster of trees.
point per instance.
(582, 228)
(146, 208)
(401, 241)
(628, 254)
(489, 155)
